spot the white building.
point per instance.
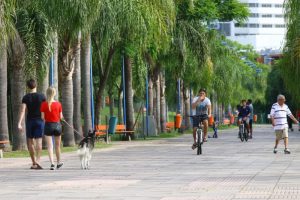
(265, 28)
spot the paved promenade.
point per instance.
(166, 170)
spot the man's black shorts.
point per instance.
(34, 128)
(197, 119)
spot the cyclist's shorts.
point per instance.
(247, 120)
(34, 128)
(280, 134)
(250, 122)
(196, 120)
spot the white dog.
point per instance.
(85, 150)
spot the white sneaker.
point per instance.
(275, 150)
(287, 151)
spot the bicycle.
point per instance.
(243, 132)
(199, 132)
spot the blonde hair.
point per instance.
(50, 93)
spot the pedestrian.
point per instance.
(279, 113)
(34, 123)
(249, 103)
(52, 114)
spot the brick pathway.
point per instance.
(166, 170)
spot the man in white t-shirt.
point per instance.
(201, 106)
(279, 113)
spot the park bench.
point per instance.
(2, 146)
(102, 131)
(226, 122)
(170, 126)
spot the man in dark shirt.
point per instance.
(34, 123)
(244, 114)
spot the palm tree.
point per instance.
(163, 106)
(290, 66)
(129, 26)
(17, 60)
(68, 18)
(7, 8)
(28, 52)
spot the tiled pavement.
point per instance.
(166, 170)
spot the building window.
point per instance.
(241, 25)
(254, 25)
(279, 16)
(254, 15)
(267, 25)
(267, 15)
(266, 5)
(279, 25)
(278, 6)
(253, 5)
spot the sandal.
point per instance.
(38, 166)
(33, 166)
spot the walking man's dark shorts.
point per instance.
(34, 128)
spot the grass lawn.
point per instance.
(24, 153)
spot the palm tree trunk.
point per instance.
(17, 93)
(163, 117)
(17, 60)
(111, 102)
(66, 67)
(154, 103)
(120, 105)
(129, 94)
(55, 66)
(77, 94)
(187, 106)
(3, 95)
(157, 99)
(42, 87)
(86, 82)
(150, 96)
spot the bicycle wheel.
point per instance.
(199, 142)
(241, 133)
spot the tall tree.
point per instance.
(77, 92)
(290, 66)
(28, 56)
(17, 60)
(86, 82)
(7, 8)
(68, 18)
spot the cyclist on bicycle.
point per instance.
(244, 114)
(202, 109)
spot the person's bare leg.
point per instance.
(38, 149)
(57, 148)
(30, 146)
(276, 143)
(194, 134)
(50, 148)
(286, 142)
(205, 128)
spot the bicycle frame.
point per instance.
(199, 133)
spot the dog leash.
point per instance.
(77, 132)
